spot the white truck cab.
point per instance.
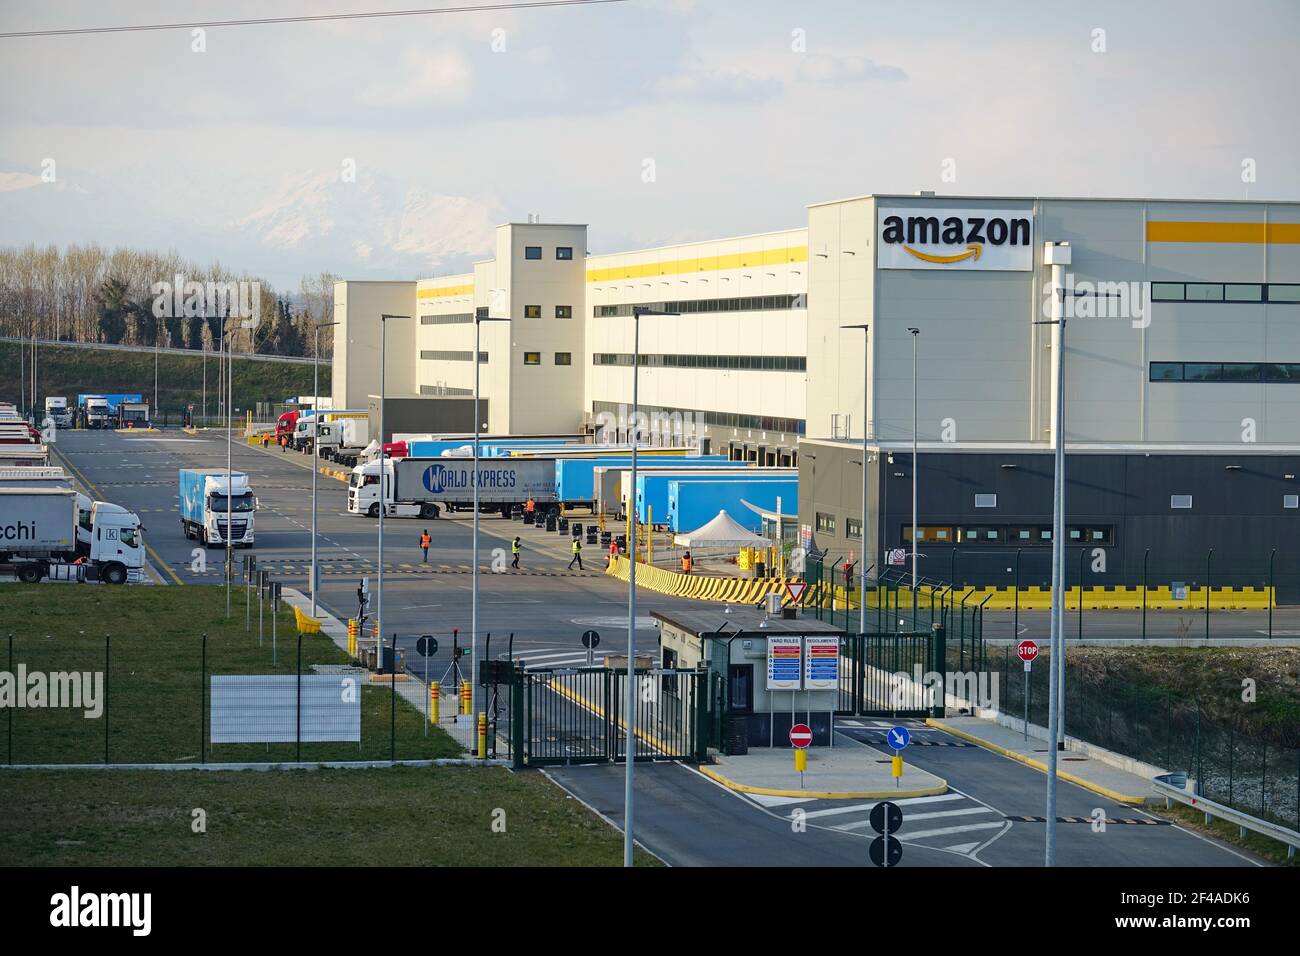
(363, 494)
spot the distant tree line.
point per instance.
(91, 294)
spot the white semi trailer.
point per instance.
(38, 537)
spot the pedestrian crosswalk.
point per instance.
(553, 658)
(949, 821)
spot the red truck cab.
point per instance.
(284, 426)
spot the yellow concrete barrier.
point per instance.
(703, 587)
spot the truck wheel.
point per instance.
(113, 574)
(428, 510)
(374, 510)
(29, 573)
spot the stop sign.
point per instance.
(800, 736)
(1027, 651)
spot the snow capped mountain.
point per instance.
(375, 224)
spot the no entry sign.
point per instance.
(800, 736)
(1027, 651)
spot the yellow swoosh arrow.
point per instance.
(972, 251)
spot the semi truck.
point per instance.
(344, 439)
(206, 506)
(38, 538)
(51, 476)
(56, 408)
(693, 503)
(426, 487)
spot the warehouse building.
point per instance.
(1182, 387)
(1182, 371)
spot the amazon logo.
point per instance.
(963, 238)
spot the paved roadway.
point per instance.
(682, 816)
(992, 816)
(546, 606)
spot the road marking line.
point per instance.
(944, 831)
(964, 812)
(858, 807)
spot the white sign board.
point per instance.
(263, 708)
(784, 660)
(967, 238)
(821, 663)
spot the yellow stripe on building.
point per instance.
(445, 292)
(672, 267)
(1282, 233)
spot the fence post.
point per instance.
(203, 700)
(11, 709)
(1207, 594)
(298, 706)
(1263, 782)
(1145, 558)
(1015, 620)
(1232, 733)
(1272, 593)
(392, 717)
(1083, 554)
(941, 655)
(1198, 747)
(517, 717)
(107, 641)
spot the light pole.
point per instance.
(629, 704)
(862, 557)
(915, 336)
(383, 484)
(315, 454)
(230, 485)
(480, 316)
(155, 373)
(1057, 255)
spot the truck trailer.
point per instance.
(652, 498)
(206, 507)
(693, 503)
(426, 487)
(38, 537)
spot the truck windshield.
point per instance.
(217, 503)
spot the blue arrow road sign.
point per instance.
(898, 738)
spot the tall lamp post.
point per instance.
(480, 316)
(862, 557)
(315, 454)
(1057, 255)
(383, 483)
(629, 704)
(230, 425)
(916, 334)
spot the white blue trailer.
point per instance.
(651, 491)
(214, 504)
(575, 477)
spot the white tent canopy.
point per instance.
(722, 532)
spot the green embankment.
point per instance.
(67, 371)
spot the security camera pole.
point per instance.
(629, 707)
(315, 454)
(916, 333)
(862, 557)
(383, 485)
(480, 316)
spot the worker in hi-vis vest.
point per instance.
(424, 544)
(515, 548)
(530, 506)
(577, 554)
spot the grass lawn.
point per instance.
(155, 683)
(399, 816)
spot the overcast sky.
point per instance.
(747, 109)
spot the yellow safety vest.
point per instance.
(576, 546)
(514, 547)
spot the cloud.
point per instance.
(839, 70)
(422, 77)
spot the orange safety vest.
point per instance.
(424, 540)
(529, 506)
(686, 564)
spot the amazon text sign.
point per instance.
(970, 238)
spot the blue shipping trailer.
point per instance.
(574, 477)
(488, 447)
(652, 487)
(692, 503)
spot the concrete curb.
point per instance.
(941, 787)
(305, 765)
(1038, 764)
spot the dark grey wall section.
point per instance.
(429, 414)
(1237, 509)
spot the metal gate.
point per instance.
(578, 715)
(885, 675)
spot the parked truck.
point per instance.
(38, 538)
(93, 411)
(56, 408)
(51, 476)
(426, 487)
(207, 506)
(344, 439)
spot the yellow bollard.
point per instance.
(897, 767)
(482, 735)
(435, 713)
(353, 627)
(801, 760)
(466, 697)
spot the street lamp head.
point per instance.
(384, 317)
(863, 327)
(326, 325)
(640, 310)
(914, 331)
